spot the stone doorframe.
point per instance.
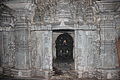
(56, 33)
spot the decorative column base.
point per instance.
(41, 73)
(88, 72)
(21, 73)
(110, 73)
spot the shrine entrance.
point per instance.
(63, 50)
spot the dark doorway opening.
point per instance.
(64, 48)
(64, 60)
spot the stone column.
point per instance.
(1, 51)
(7, 49)
(24, 17)
(108, 32)
(22, 54)
(1, 46)
(108, 47)
(117, 25)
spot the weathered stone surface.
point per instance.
(8, 48)
(28, 46)
(41, 50)
(1, 49)
(86, 48)
(22, 55)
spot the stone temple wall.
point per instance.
(41, 51)
(27, 47)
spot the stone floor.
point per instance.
(55, 79)
(66, 75)
(63, 75)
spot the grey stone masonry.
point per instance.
(27, 36)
